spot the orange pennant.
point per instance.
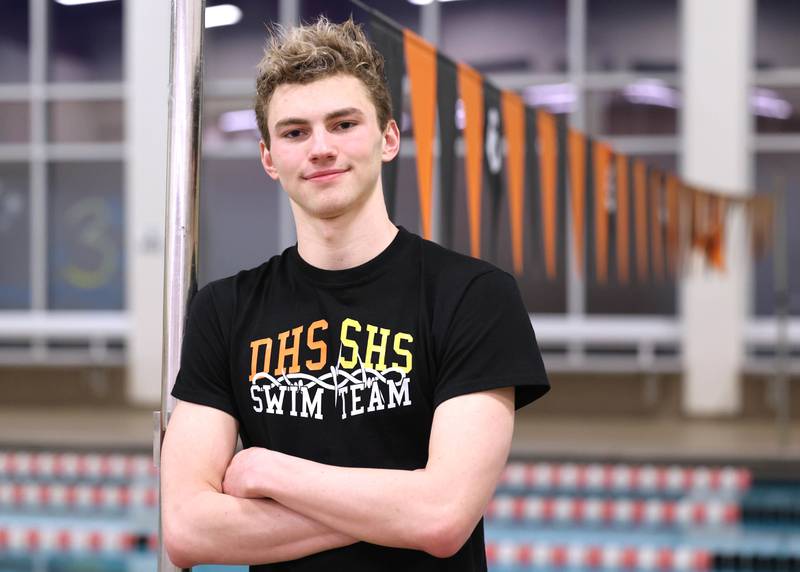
(514, 127)
(715, 246)
(470, 85)
(548, 158)
(655, 229)
(421, 68)
(623, 243)
(602, 162)
(640, 197)
(577, 186)
(673, 222)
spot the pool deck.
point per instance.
(546, 437)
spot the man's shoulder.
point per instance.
(225, 291)
(442, 264)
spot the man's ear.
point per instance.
(391, 141)
(266, 161)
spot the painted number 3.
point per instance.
(94, 245)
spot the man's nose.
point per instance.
(321, 146)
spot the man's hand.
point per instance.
(247, 474)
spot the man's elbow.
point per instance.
(179, 542)
(448, 536)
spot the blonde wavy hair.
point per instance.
(307, 53)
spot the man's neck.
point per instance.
(344, 242)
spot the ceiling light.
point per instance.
(222, 15)
(242, 120)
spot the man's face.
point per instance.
(326, 146)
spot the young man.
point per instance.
(372, 375)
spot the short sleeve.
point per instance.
(490, 343)
(204, 375)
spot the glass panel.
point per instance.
(777, 42)
(630, 35)
(647, 107)
(229, 119)
(14, 42)
(15, 266)
(402, 12)
(15, 124)
(86, 42)
(634, 298)
(85, 121)
(523, 36)
(777, 110)
(239, 219)
(85, 236)
(770, 166)
(233, 51)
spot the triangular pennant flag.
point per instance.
(673, 225)
(493, 156)
(623, 218)
(640, 208)
(470, 87)
(548, 161)
(577, 185)
(389, 42)
(514, 126)
(697, 219)
(446, 97)
(533, 191)
(655, 224)
(421, 70)
(685, 200)
(715, 245)
(602, 163)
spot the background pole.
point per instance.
(183, 186)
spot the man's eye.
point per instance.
(346, 124)
(293, 134)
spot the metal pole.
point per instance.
(183, 180)
(780, 258)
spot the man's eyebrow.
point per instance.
(332, 115)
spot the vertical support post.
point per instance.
(183, 180)
(780, 383)
(716, 135)
(576, 69)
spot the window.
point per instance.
(14, 42)
(523, 36)
(85, 42)
(15, 237)
(632, 36)
(85, 236)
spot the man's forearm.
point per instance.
(404, 509)
(214, 528)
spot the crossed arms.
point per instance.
(247, 509)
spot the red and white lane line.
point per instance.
(652, 512)
(91, 497)
(75, 465)
(40, 539)
(597, 557)
(625, 478)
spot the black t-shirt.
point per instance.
(415, 326)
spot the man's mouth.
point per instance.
(326, 175)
